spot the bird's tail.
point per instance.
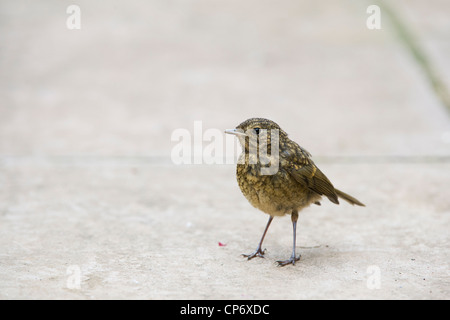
(348, 198)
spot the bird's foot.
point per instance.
(291, 260)
(257, 253)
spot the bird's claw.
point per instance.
(291, 260)
(257, 253)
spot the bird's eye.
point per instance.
(257, 130)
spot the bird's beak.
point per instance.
(236, 132)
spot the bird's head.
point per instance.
(258, 133)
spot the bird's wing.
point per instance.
(304, 171)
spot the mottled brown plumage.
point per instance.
(279, 178)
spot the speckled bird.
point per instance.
(279, 178)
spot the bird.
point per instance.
(278, 177)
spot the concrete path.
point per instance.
(92, 206)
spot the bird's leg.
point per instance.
(259, 252)
(293, 258)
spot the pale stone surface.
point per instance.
(87, 183)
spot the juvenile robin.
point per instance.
(278, 176)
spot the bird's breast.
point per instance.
(276, 194)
